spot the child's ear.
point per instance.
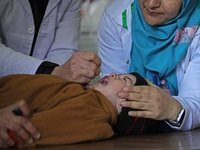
(119, 108)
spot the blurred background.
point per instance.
(91, 15)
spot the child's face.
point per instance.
(111, 85)
(157, 12)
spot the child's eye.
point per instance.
(124, 79)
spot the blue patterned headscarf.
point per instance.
(157, 50)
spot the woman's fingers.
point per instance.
(21, 126)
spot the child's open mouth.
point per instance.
(104, 80)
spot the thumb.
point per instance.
(23, 106)
(150, 83)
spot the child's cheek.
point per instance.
(118, 86)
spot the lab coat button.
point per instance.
(30, 31)
(127, 61)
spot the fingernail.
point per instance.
(130, 113)
(126, 89)
(30, 141)
(123, 104)
(100, 70)
(121, 95)
(38, 136)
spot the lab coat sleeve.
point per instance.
(189, 90)
(12, 62)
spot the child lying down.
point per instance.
(66, 112)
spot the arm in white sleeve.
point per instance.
(189, 86)
(12, 62)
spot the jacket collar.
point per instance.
(50, 6)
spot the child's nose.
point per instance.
(113, 75)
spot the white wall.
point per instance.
(92, 11)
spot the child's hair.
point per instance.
(127, 125)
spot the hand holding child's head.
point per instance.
(111, 85)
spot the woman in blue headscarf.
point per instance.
(160, 40)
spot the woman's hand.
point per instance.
(19, 125)
(153, 102)
(81, 67)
